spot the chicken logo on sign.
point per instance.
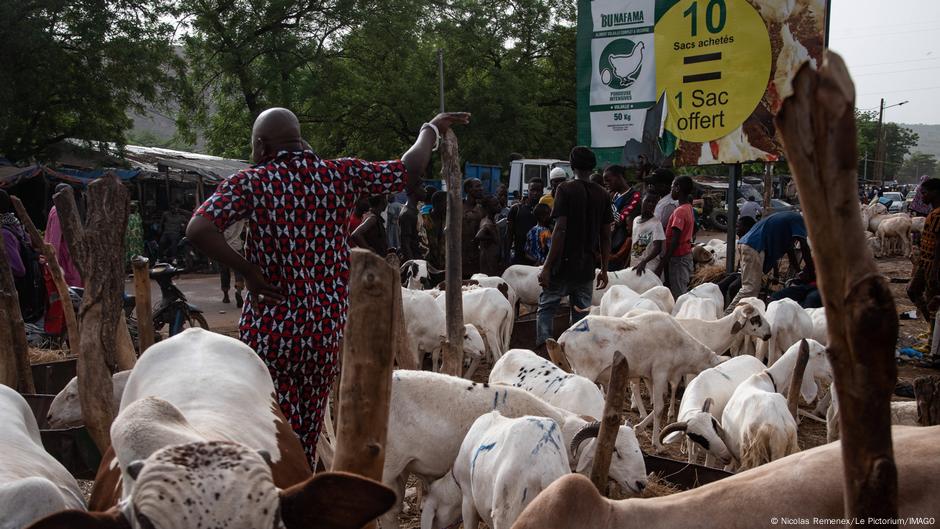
(621, 63)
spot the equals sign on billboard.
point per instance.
(699, 77)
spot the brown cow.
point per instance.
(802, 489)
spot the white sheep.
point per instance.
(524, 280)
(703, 402)
(718, 335)
(893, 229)
(903, 413)
(492, 315)
(524, 369)
(430, 414)
(416, 274)
(703, 302)
(656, 347)
(757, 421)
(639, 283)
(498, 283)
(66, 409)
(503, 464)
(820, 325)
(426, 331)
(789, 324)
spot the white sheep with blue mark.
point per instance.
(524, 369)
(503, 464)
(430, 414)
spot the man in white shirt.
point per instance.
(660, 182)
(647, 237)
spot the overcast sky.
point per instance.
(893, 51)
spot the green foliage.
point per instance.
(916, 165)
(362, 75)
(898, 143)
(72, 69)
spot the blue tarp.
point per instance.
(11, 175)
(87, 176)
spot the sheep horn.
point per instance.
(724, 439)
(432, 270)
(406, 264)
(586, 432)
(707, 404)
(674, 427)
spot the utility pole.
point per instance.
(440, 75)
(865, 169)
(879, 148)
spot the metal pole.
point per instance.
(440, 75)
(879, 149)
(732, 214)
(865, 170)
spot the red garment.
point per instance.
(298, 209)
(684, 219)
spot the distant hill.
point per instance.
(929, 141)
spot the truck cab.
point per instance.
(524, 170)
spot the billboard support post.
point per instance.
(734, 177)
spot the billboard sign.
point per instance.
(722, 69)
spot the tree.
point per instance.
(366, 88)
(917, 165)
(898, 143)
(73, 68)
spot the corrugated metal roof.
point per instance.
(212, 168)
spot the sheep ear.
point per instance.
(736, 328)
(134, 468)
(809, 389)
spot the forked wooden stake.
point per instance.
(145, 338)
(817, 125)
(610, 424)
(98, 250)
(14, 350)
(58, 278)
(453, 304)
(370, 343)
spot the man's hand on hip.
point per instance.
(263, 292)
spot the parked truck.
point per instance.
(524, 170)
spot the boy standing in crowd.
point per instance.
(678, 249)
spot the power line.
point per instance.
(898, 71)
(853, 66)
(872, 35)
(902, 90)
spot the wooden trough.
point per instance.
(682, 474)
(52, 377)
(73, 447)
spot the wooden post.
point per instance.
(768, 187)
(610, 424)
(453, 348)
(15, 350)
(370, 342)
(98, 250)
(142, 301)
(817, 125)
(58, 277)
(927, 393)
(796, 380)
(403, 353)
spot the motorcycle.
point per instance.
(173, 310)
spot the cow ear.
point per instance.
(111, 519)
(335, 500)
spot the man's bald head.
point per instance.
(274, 130)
